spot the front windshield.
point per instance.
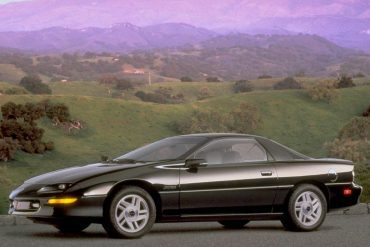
(166, 149)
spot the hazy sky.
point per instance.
(214, 14)
(10, 1)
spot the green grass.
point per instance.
(116, 125)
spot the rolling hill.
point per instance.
(116, 126)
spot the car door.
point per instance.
(238, 179)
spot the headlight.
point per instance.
(56, 188)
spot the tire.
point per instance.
(130, 214)
(306, 209)
(71, 227)
(233, 224)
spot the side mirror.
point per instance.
(195, 163)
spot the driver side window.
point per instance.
(229, 151)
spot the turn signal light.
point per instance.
(62, 200)
(347, 192)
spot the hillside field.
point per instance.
(115, 126)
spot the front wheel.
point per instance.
(233, 224)
(306, 209)
(131, 213)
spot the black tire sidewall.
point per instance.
(291, 207)
(113, 226)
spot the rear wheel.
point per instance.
(131, 213)
(71, 227)
(233, 224)
(306, 209)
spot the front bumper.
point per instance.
(83, 207)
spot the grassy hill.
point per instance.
(116, 126)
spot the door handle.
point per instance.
(266, 173)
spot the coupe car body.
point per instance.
(230, 178)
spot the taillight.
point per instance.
(347, 192)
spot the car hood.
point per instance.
(75, 174)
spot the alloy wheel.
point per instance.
(132, 213)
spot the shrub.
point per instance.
(151, 97)
(204, 93)
(124, 84)
(355, 150)
(203, 121)
(287, 83)
(323, 92)
(162, 95)
(366, 113)
(34, 85)
(108, 80)
(359, 75)
(4, 177)
(186, 79)
(242, 86)
(15, 91)
(264, 77)
(8, 148)
(19, 124)
(345, 81)
(357, 129)
(245, 119)
(213, 79)
(58, 112)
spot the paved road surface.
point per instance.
(338, 230)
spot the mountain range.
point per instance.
(345, 22)
(122, 37)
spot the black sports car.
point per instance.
(229, 178)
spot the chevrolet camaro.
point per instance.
(228, 178)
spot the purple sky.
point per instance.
(216, 14)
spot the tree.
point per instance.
(213, 79)
(287, 83)
(242, 86)
(186, 79)
(345, 81)
(34, 85)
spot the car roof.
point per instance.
(220, 135)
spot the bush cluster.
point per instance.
(366, 113)
(119, 84)
(186, 79)
(19, 130)
(242, 86)
(325, 91)
(162, 95)
(13, 91)
(34, 85)
(204, 93)
(287, 83)
(345, 81)
(352, 142)
(244, 119)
